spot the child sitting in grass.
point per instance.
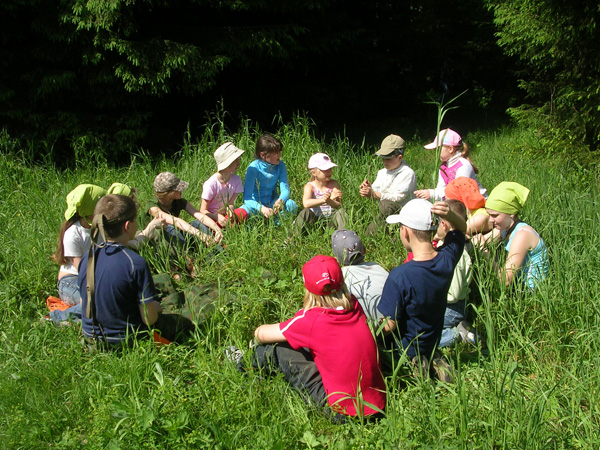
(123, 301)
(414, 296)
(155, 224)
(466, 190)
(394, 184)
(73, 242)
(456, 162)
(168, 205)
(74, 239)
(455, 323)
(221, 189)
(527, 261)
(326, 351)
(322, 199)
(364, 280)
(263, 176)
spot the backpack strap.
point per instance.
(97, 230)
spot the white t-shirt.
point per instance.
(219, 195)
(396, 185)
(365, 281)
(76, 242)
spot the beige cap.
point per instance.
(390, 144)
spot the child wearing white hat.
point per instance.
(221, 189)
(413, 300)
(322, 198)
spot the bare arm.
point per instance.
(150, 312)
(522, 242)
(204, 219)
(76, 262)
(177, 222)
(204, 207)
(478, 223)
(216, 217)
(307, 197)
(147, 233)
(481, 241)
(269, 334)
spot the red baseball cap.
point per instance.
(322, 275)
(466, 190)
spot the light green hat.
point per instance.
(508, 197)
(82, 200)
(119, 189)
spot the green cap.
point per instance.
(119, 189)
(82, 200)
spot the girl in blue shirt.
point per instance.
(262, 177)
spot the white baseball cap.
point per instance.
(416, 214)
(320, 161)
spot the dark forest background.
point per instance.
(114, 76)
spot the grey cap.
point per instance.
(347, 247)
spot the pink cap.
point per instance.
(448, 137)
(320, 161)
(322, 275)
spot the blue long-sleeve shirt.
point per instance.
(260, 185)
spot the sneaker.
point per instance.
(442, 368)
(233, 354)
(467, 333)
(420, 367)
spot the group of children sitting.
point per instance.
(327, 350)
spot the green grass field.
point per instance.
(537, 386)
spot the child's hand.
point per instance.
(277, 206)
(155, 224)
(365, 189)
(222, 220)
(267, 212)
(440, 208)
(218, 237)
(336, 194)
(423, 193)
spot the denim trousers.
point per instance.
(68, 289)
(174, 234)
(455, 313)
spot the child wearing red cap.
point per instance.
(466, 190)
(326, 351)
